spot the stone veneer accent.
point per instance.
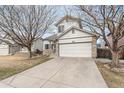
(94, 47)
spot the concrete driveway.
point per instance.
(59, 73)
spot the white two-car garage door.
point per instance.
(75, 50)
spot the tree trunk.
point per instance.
(115, 53)
(115, 59)
(30, 53)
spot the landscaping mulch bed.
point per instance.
(113, 79)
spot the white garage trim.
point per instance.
(75, 50)
(74, 38)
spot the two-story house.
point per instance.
(71, 40)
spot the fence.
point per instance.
(105, 53)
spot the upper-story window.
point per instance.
(46, 46)
(60, 28)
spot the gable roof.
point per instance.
(53, 37)
(66, 18)
(64, 32)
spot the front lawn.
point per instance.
(11, 65)
(113, 79)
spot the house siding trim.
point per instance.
(81, 30)
(75, 37)
(76, 42)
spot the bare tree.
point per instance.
(26, 24)
(102, 20)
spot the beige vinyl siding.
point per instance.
(44, 43)
(69, 24)
(37, 45)
(76, 34)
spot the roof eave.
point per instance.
(77, 29)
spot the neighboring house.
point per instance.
(37, 45)
(49, 44)
(72, 40)
(8, 47)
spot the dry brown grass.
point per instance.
(113, 79)
(16, 57)
(10, 65)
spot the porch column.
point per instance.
(57, 48)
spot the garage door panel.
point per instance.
(75, 50)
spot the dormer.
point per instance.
(67, 22)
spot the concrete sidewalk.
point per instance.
(59, 73)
